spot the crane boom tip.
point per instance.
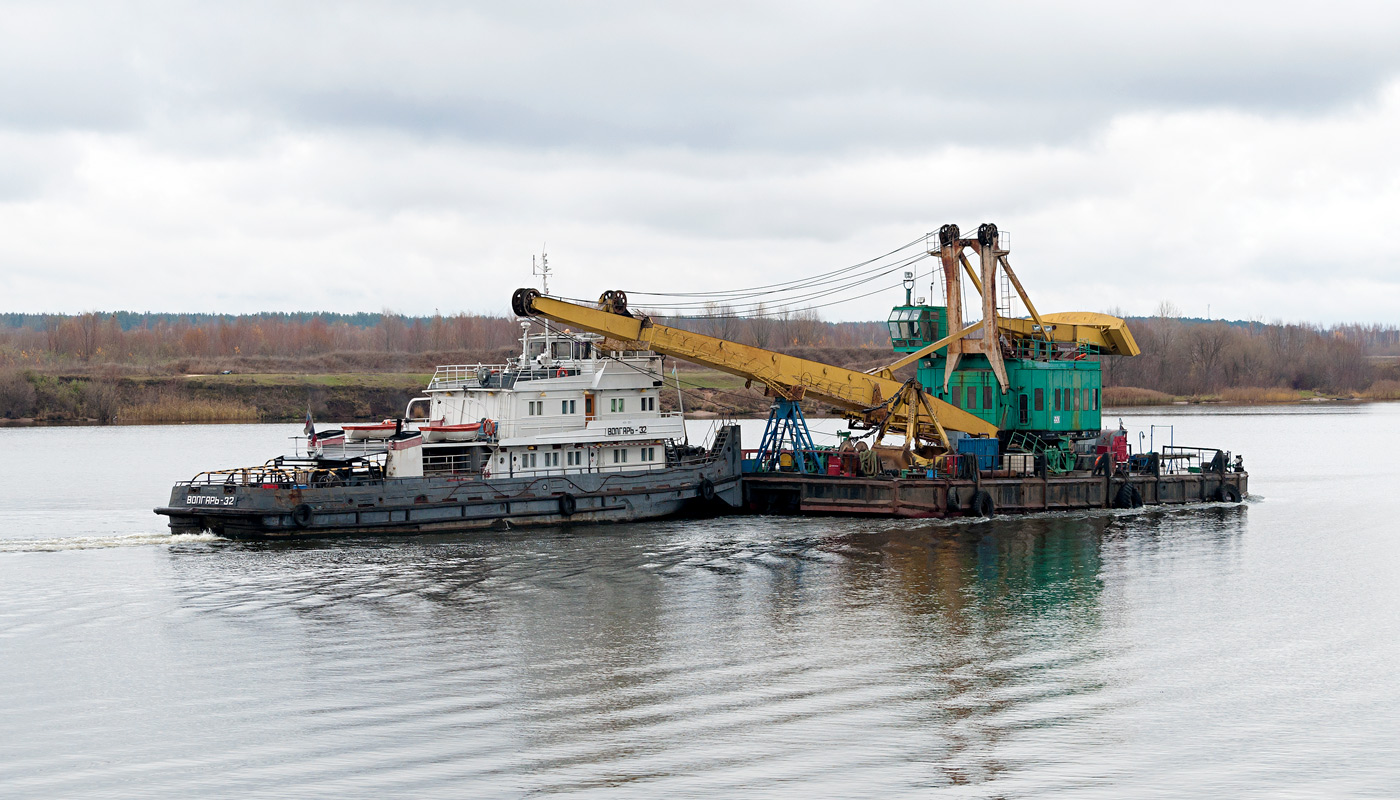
(523, 302)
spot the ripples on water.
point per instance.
(1106, 655)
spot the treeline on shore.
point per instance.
(136, 367)
(184, 343)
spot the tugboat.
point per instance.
(566, 432)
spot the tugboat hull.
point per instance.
(406, 506)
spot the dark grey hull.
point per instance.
(790, 493)
(406, 506)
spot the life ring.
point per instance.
(982, 504)
(562, 373)
(707, 490)
(302, 516)
(1228, 494)
(567, 505)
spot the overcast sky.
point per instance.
(346, 156)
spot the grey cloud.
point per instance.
(731, 76)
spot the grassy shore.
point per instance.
(175, 408)
(1129, 396)
(352, 396)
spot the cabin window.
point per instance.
(648, 403)
(536, 348)
(648, 453)
(619, 456)
(567, 406)
(562, 350)
(987, 397)
(1057, 400)
(1025, 405)
(955, 396)
(1039, 399)
(618, 405)
(528, 460)
(1074, 398)
(1096, 399)
(972, 397)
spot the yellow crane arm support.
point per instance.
(1105, 330)
(791, 377)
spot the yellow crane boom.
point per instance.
(875, 400)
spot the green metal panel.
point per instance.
(1046, 394)
(1068, 400)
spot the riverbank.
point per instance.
(1129, 396)
(84, 399)
(48, 399)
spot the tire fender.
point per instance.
(1123, 498)
(707, 490)
(567, 505)
(302, 516)
(982, 504)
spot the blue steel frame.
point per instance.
(787, 426)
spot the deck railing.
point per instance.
(847, 463)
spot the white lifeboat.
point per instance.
(467, 432)
(357, 431)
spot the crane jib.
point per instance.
(901, 406)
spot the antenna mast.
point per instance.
(541, 270)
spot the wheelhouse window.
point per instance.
(907, 324)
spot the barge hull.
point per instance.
(791, 493)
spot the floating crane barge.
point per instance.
(1000, 416)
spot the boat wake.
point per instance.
(101, 542)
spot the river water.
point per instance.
(1245, 651)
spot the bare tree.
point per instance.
(760, 327)
(1207, 344)
(721, 321)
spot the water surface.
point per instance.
(1213, 651)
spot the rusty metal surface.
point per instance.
(785, 493)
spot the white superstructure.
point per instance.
(562, 406)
